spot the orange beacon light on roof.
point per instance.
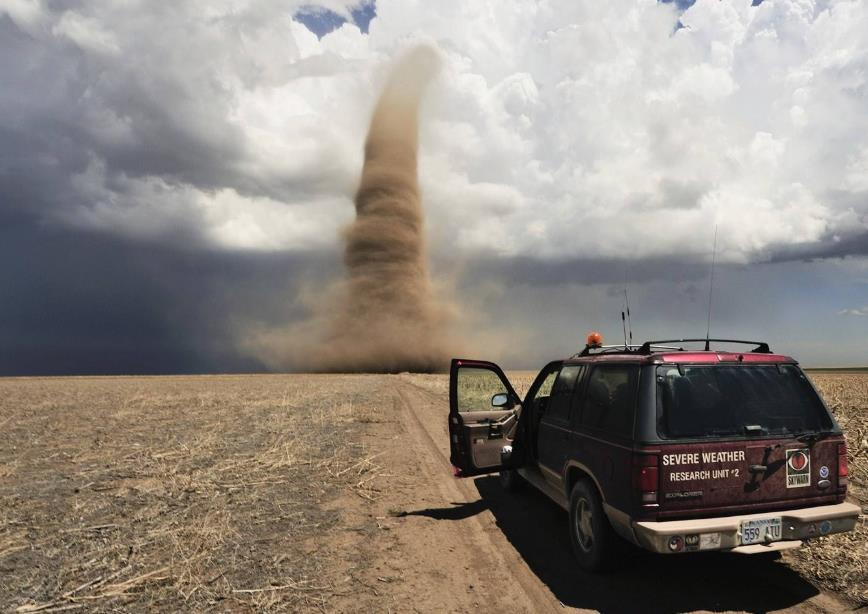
(595, 340)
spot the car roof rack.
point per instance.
(761, 347)
(621, 349)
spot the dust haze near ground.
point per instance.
(385, 317)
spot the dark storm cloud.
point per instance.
(538, 272)
(795, 306)
(84, 303)
(67, 102)
(148, 112)
(830, 247)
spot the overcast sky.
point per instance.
(174, 176)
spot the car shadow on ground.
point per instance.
(537, 528)
(457, 511)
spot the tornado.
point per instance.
(388, 319)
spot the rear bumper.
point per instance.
(724, 533)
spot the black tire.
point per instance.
(510, 480)
(595, 544)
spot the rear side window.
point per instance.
(562, 392)
(610, 399)
(715, 401)
(545, 389)
(566, 380)
(542, 386)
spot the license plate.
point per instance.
(761, 531)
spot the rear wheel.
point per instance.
(594, 543)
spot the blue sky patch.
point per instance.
(321, 21)
(683, 5)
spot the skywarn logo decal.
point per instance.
(798, 468)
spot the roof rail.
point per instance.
(761, 346)
(606, 348)
(620, 348)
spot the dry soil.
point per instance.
(329, 493)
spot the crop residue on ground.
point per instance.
(307, 493)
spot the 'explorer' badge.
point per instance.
(798, 468)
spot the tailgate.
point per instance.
(747, 474)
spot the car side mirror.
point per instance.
(500, 400)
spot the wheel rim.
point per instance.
(584, 527)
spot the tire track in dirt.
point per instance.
(509, 582)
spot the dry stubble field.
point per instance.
(307, 492)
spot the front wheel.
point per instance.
(594, 542)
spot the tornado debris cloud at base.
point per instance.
(388, 319)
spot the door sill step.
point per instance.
(536, 479)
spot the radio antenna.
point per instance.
(711, 291)
(629, 324)
(624, 325)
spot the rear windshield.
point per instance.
(715, 401)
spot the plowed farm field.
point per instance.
(332, 493)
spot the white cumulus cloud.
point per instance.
(556, 130)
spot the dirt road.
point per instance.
(466, 545)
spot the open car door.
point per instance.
(483, 411)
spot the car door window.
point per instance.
(562, 392)
(476, 388)
(610, 399)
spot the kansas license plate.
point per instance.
(761, 531)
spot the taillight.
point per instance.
(843, 472)
(645, 477)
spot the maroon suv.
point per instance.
(669, 449)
